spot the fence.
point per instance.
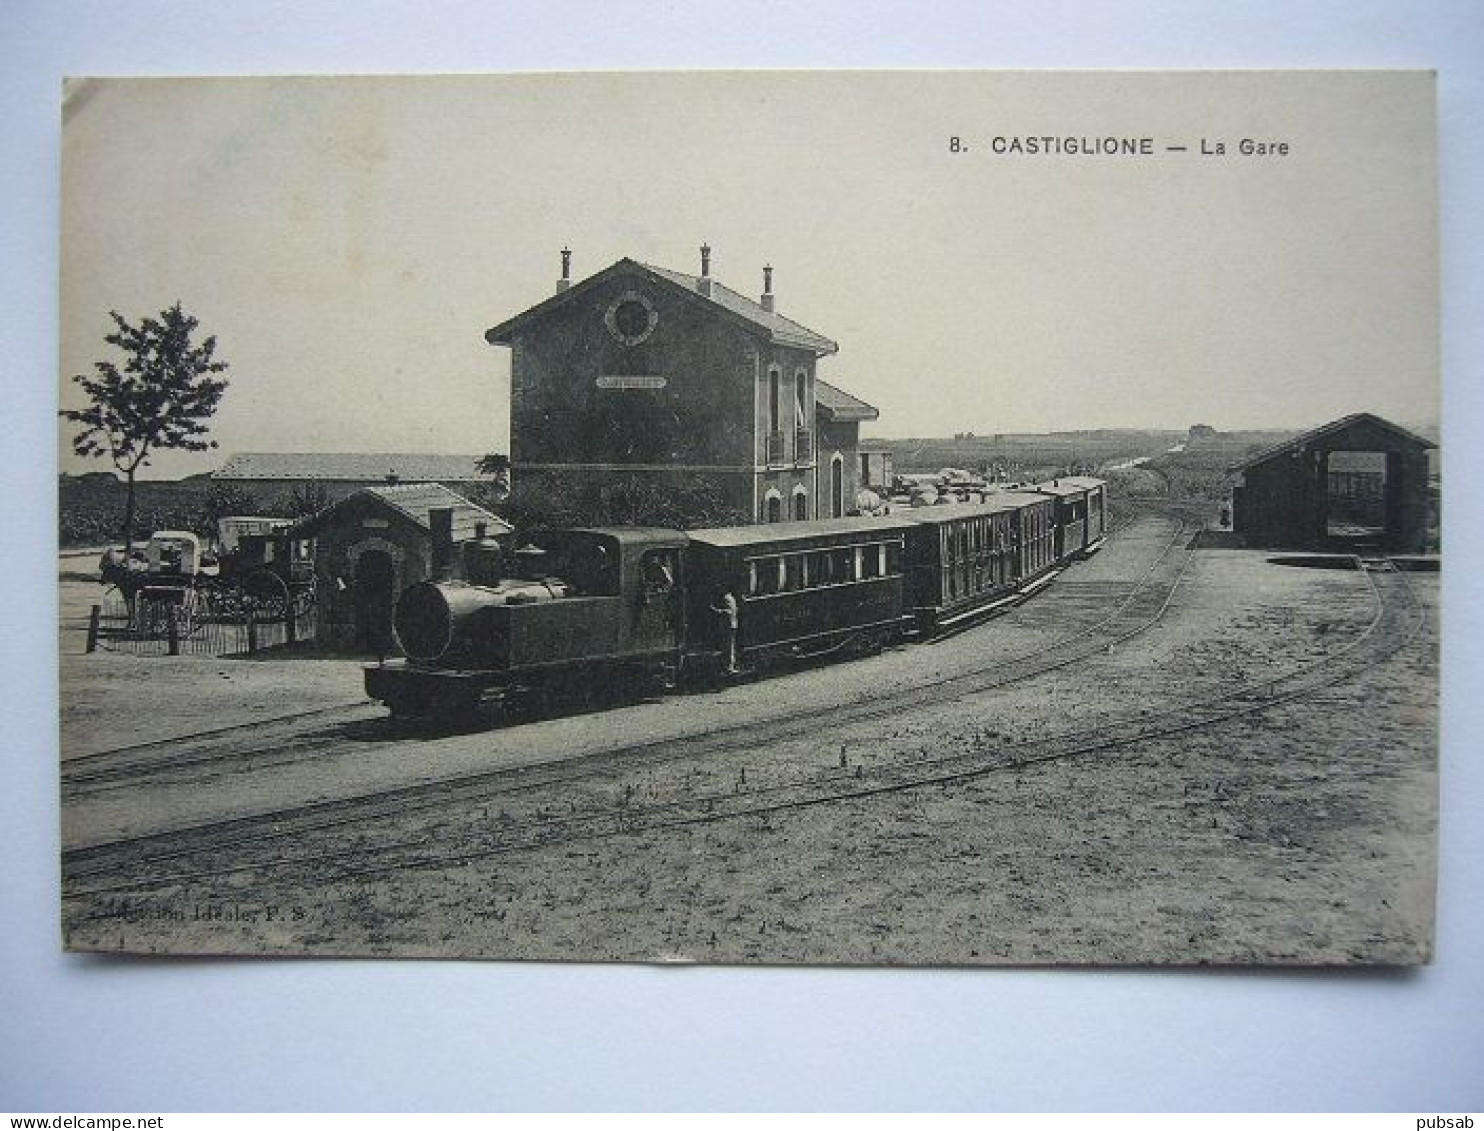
(197, 625)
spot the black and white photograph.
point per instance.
(864, 518)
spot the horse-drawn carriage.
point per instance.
(257, 573)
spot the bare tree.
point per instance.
(160, 398)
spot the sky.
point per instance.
(348, 241)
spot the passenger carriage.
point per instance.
(1081, 513)
(968, 558)
(802, 588)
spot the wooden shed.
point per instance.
(1357, 483)
(372, 545)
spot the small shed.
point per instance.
(372, 545)
(1359, 482)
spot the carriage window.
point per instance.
(752, 583)
(767, 570)
(869, 561)
(793, 572)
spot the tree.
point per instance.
(497, 467)
(305, 500)
(159, 399)
(224, 499)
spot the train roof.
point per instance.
(641, 536)
(1067, 485)
(995, 502)
(761, 534)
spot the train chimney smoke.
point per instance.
(566, 280)
(440, 521)
(768, 288)
(703, 284)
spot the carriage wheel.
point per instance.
(267, 592)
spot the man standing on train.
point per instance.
(726, 611)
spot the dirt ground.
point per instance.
(1300, 834)
(112, 699)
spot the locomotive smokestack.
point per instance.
(440, 522)
(566, 280)
(768, 288)
(703, 284)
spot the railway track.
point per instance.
(137, 863)
(127, 767)
(1397, 620)
(139, 760)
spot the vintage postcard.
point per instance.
(900, 518)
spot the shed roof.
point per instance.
(775, 326)
(366, 467)
(1403, 437)
(838, 405)
(413, 501)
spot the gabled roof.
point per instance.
(838, 405)
(413, 501)
(1303, 439)
(772, 325)
(364, 467)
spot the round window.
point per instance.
(631, 318)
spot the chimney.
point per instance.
(440, 521)
(566, 280)
(703, 284)
(768, 288)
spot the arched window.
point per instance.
(801, 504)
(837, 486)
(773, 507)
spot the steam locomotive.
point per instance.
(641, 608)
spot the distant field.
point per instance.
(91, 508)
(1021, 455)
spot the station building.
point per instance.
(641, 371)
(1357, 482)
